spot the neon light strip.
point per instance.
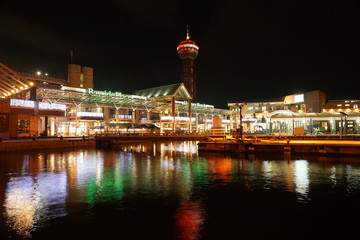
(22, 103)
(177, 118)
(89, 114)
(188, 45)
(52, 106)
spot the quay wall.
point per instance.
(44, 144)
(298, 148)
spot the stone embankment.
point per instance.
(322, 147)
(28, 145)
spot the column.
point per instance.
(148, 116)
(117, 113)
(106, 114)
(133, 116)
(189, 114)
(161, 124)
(196, 122)
(173, 113)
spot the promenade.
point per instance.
(286, 145)
(206, 143)
(44, 143)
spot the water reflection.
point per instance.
(301, 179)
(189, 220)
(28, 200)
(40, 186)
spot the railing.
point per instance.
(36, 77)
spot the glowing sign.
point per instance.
(22, 103)
(177, 118)
(90, 114)
(299, 98)
(52, 106)
(104, 93)
(67, 88)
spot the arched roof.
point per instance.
(165, 93)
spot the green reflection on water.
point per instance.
(200, 172)
(110, 188)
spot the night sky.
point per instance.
(249, 49)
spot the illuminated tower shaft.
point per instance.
(188, 51)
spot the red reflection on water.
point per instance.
(221, 166)
(189, 219)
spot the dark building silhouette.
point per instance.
(188, 51)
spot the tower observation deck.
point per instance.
(188, 52)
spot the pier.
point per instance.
(108, 141)
(313, 146)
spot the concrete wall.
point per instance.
(315, 101)
(27, 145)
(80, 76)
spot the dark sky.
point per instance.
(249, 49)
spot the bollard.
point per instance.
(83, 137)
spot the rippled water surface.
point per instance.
(171, 191)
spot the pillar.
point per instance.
(133, 116)
(173, 113)
(46, 126)
(196, 122)
(106, 114)
(32, 94)
(117, 112)
(148, 116)
(189, 114)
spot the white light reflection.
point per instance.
(333, 176)
(29, 201)
(352, 178)
(301, 178)
(20, 205)
(88, 167)
(267, 172)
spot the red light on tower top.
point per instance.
(188, 48)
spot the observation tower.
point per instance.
(188, 51)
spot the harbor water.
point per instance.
(170, 190)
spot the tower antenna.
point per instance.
(71, 56)
(187, 32)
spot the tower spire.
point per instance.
(187, 32)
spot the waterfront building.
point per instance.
(40, 105)
(303, 113)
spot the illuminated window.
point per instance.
(355, 106)
(299, 98)
(82, 80)
(23, 126)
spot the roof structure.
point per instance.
(290, 114)
(126, 101)
(278, 99)
(165, 93)
(11, 82)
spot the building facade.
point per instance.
(304, 113)
(39, 105)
